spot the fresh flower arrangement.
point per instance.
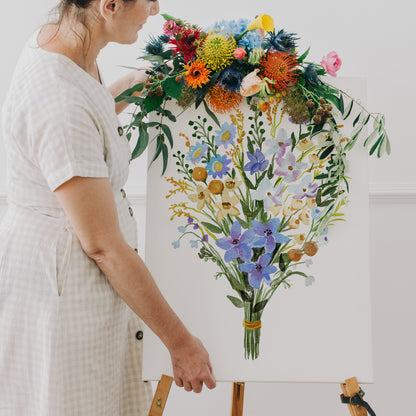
(258, 192)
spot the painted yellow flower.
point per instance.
(275, 210)
(201, 197)
(310, 203)
(287, 211)
(296, 204)
(227, 206)
(299, 238)
(304, 217)
(304, 145)
(314, 159)
(232, 184)
(294, 223)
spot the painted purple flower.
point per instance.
(259, 270)
(288, 168)
(306, 188)
(237, 245)
(205, 238)
(196, 226)
(279, 144)
(190, 220)
(257, 163)
(268, 236)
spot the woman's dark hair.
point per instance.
(78, 10)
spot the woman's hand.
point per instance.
(130, 80)
(191, 365)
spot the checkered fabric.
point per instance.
(68, 344)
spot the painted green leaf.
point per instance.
(235, 301)
(260, 306)
(211, 227)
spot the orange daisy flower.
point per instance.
(222, 101)
(196, 74)
(279, 67)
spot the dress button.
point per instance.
(120, 131)
(136, 250)
(139, 335)
(131, 211)
(123, 193)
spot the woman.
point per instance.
(72, 285)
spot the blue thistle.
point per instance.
(155, 46)
(231, 77)
(280, 41)
(311, 74)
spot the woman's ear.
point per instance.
(108, 8)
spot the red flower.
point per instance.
(280, 67)
(186, 42)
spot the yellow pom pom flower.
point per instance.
(217, 50)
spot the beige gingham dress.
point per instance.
(69, 345)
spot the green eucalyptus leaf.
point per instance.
(172, 88)
(348, 110)
(142, 142)
(168, 134)
(153, 103)
(165, 155)
(211, 113)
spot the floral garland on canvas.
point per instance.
(257, 199)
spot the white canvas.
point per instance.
(320, 333)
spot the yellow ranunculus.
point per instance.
(263, 21)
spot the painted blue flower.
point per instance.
(237, 245)
(176, 244)
(197, 151)
(268, 236)
(182, 229)
(309, 280)
(257, 163)
(194, 243)
(259, 270)
(226, 135)
(306, 189)
(218, 166)
(316, 213)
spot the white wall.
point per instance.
(375, 41)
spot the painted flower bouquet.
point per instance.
(259, 189)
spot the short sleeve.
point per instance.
(69, 143)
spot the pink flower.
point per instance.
(170, 28)
(239, 53)
(250, 84)
(331, 63)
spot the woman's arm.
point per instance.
(128, 81)
(90, 207)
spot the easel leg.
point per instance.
(238, 399)
(350, 388)
(161, 395)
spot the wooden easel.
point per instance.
(163, 388)
(349, 389)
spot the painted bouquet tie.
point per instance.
(261, 165)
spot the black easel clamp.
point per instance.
(357, 400)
